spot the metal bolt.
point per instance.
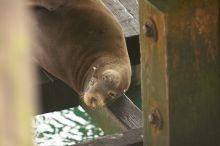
(150, 29)
(151, 118)
(155, 118)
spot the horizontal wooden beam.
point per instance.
(120, 116)
(126, 11)
(129, 138)
(127, 112)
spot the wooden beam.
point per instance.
(18, 101)
(121, 115)
(129, 138)
(180, 73)
(126, 11)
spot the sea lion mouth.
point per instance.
(95, 101)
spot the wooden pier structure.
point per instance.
(174, 50)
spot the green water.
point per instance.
(65, 127)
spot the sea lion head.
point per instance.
(102, 89)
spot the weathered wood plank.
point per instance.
(18, 101)
(121, 115)
(180, 74)
(127, 112)
(129, 138)
(126, 11)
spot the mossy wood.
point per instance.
(180, 72)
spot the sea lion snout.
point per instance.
(102, 90)
(93, 100)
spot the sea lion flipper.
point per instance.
(50, 5)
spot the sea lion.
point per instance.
(82, 43)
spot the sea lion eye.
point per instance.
(105, 78)
(112, 94)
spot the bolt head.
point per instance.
(150, 29)
(150, 118)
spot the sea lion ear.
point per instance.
(50, 5)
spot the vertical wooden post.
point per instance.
(17, 97)
(180, 72)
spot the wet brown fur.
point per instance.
(76, 35)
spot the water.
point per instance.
(64, 128)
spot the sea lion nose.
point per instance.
(93, 99)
